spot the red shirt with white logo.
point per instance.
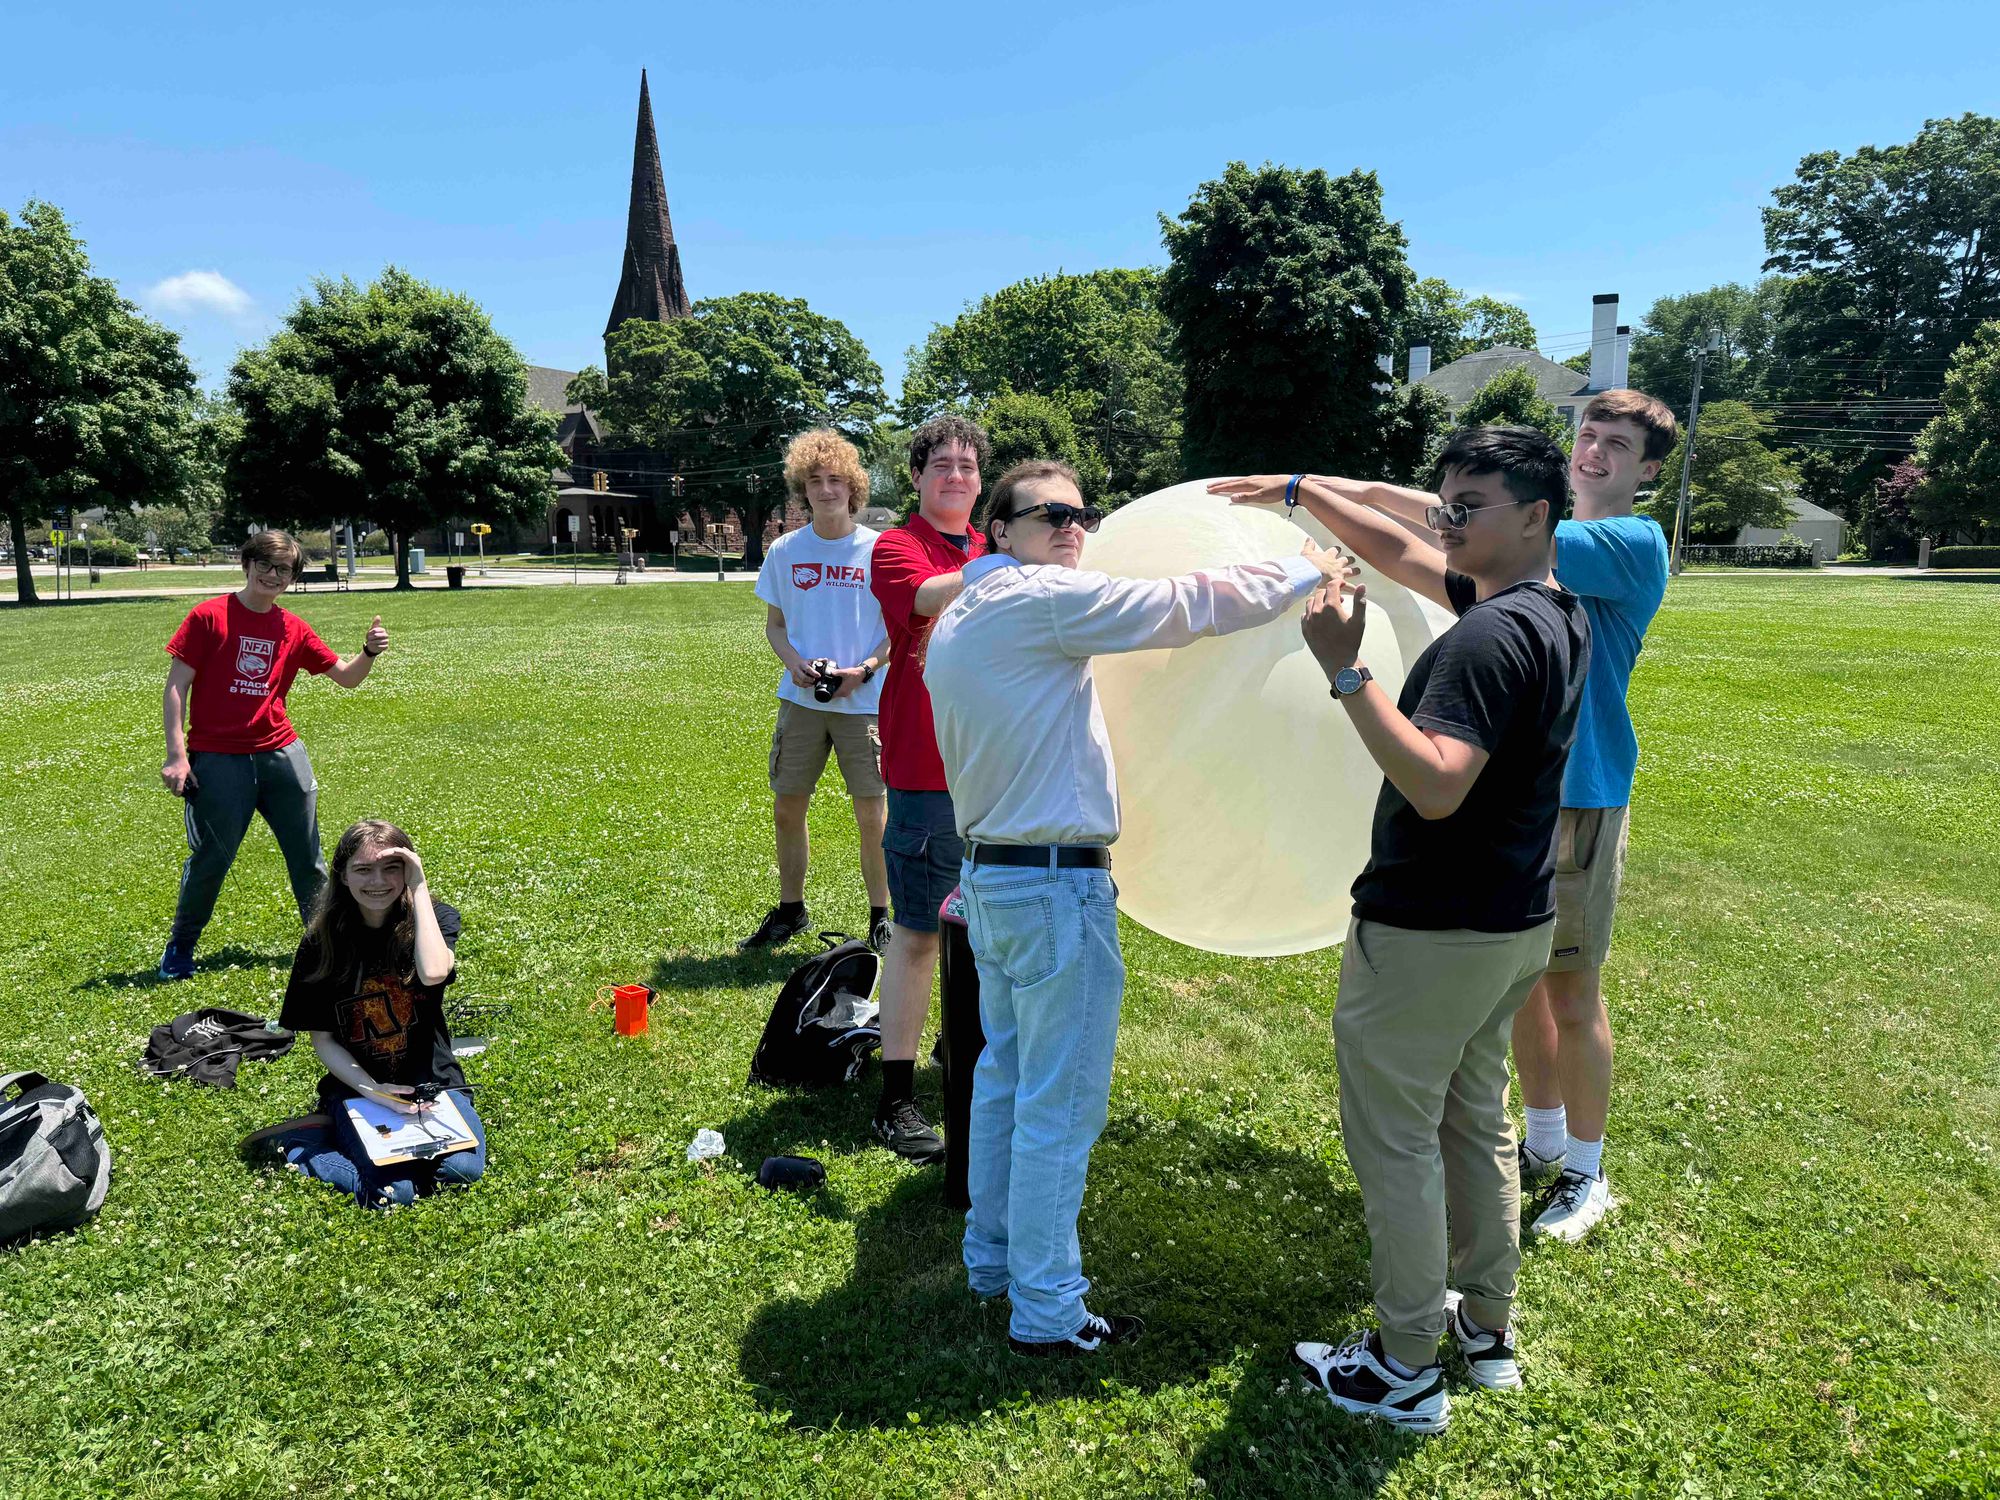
(244, 663)
(906, 557)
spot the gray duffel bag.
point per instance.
(54, 1165)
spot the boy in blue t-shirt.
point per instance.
(1617, 563)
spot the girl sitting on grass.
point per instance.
(368, 984)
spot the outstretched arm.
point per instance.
(1385, 545)
(1095, 615)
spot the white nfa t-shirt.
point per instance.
(821, 587)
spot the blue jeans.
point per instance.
(1050, 983)
(337, 1157)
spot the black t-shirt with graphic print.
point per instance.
(1508, 677)
(394, 1027)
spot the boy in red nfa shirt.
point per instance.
(234, 658)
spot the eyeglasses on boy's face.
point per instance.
(1087, 517)
(1454, 514)
(277, 570)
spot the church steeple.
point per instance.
(650, 285)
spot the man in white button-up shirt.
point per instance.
(1036, 797)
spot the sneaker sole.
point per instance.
(924, 1159)
(283, 1127)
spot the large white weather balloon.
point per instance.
(1246, 795)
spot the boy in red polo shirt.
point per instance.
(234, 658)
(914, 574)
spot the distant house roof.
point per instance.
(1457, 381)
(1805, 510)
(545, 388)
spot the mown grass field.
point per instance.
(1799, 1296)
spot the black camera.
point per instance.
(427, 1093)
(826, 681)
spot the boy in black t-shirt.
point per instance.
(1453, 917)
(368, 983)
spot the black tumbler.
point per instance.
(964, 1039)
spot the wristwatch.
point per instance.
(867, 672)
(1350, 680)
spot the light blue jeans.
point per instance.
(1050, 983)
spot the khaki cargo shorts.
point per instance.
(1590, 867)
(802, 739)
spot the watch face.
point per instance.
(1347, 680)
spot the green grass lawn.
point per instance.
(1798, 1296)
(160, 576)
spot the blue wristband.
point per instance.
(1292, 491)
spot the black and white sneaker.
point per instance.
(777, 927)
(1097, 1334)
(1358, 1378)
(905, 1131)
(1489, 1356)
(1537, 1170)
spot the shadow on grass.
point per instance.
(231, 957)
(1220, 1242)
(708, 971)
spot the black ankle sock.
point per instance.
(790, 909)
(899, 1083)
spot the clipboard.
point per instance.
(389, 1136)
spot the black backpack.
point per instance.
(824, 1024)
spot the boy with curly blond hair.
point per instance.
(826, 629)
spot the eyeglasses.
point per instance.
(1088, 517)
(281, 574)
(1453, 514)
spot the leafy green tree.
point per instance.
(1959, 451)
(1096, 345)
(1489, 321)
(587, 387)
(1511, 399)
(96, 401)
(1578, 362)
(175, 529)
(1663, 347)
(1021, 425)
(1283, 288)
(1737, 479)
(395, 401)
(1890, 255)
(886, 456)
(1416, 435)
(726, 387)
(1435, 316)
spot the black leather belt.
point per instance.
(1067, 856)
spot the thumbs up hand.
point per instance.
(378, 639)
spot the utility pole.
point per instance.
(1713, 341)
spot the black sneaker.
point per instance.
(1489, 1357)
(1097, 1334)
(880, 933)
(1357, 1377)
(774, 929)
(270, 1142)
(1537, 1171)
(905, 1131)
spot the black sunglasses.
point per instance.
(1089, 517)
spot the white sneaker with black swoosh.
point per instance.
(1358, 1378)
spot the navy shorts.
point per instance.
(923, 851)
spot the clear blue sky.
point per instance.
(889, 163)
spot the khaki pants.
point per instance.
(1420, 1033)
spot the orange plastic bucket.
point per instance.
(628, 1004)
